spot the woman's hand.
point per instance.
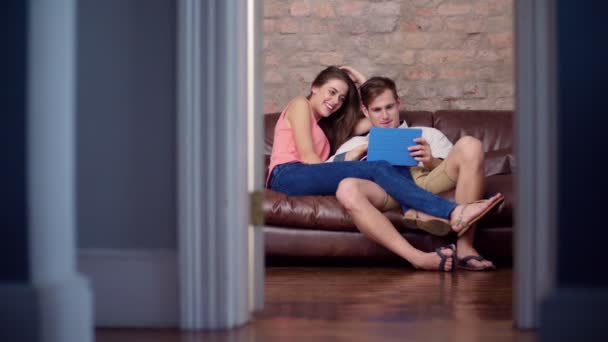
(354, 75)
(362, 126)
(356, 153)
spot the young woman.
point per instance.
(312, 127)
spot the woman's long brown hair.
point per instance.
(339, 126)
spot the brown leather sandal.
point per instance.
(467, 225)
(432, 226)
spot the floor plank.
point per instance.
(367, 304)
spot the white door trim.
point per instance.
(64, 307)
(536, 141)
(255, 130)
(215, 98)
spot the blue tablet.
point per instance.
(391, 144)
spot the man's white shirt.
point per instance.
(439, 143)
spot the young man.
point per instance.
(441, 167)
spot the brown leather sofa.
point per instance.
(319, 228)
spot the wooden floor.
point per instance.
(367, 304)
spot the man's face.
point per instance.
(383, 111)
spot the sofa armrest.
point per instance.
(498, 162)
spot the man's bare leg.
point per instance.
(363, 199)
(465, 165)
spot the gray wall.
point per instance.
(126, 119)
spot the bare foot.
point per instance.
(432, 261)
(466, 214)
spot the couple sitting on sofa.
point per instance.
(310, 128)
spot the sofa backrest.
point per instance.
(413, 118)
(270, 120)
(417, 118)
(493, 127)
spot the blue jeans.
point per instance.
(298, 179)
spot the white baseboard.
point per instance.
(132, 288)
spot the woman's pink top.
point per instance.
(284, 148)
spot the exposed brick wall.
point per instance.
(442, 53)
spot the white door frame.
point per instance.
(64, 309)
(220, 255)
(255, 153)
(536, 177)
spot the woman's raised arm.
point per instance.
(354, 75)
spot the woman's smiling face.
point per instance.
(328, 98)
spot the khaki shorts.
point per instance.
(435, 181)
